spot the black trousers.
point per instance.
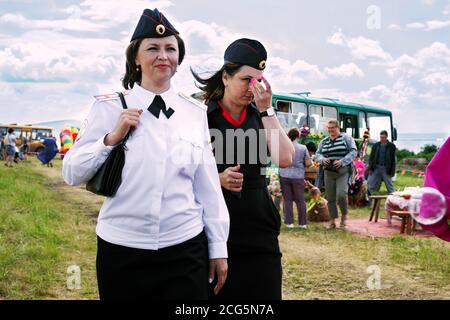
(172, 273)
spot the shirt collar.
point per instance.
(213, 105)
(146, 97)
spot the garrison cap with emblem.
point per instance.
(247, 52)
(153, 24)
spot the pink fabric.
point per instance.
(437, 176)
(360, 167)
(431, 206)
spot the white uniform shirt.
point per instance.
(170, 188)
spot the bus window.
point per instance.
(299, 113)
(284, 114)
(319, 117)
(17, 132)
(315, 113)
(378, 122)
(39, 134)
(348, 124)
(362, 124)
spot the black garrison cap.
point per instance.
(153, 24)
(247, 52)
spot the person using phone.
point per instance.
(243, 127)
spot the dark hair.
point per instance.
(384, 133)
(311, 146)
(293, 134)
(213, 87)
(10, 130)
(131, 74)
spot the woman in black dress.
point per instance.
(244, 129)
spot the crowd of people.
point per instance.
(14, 149)
(342, 174)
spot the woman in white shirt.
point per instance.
(163, 235)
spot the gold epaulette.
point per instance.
(193, 101)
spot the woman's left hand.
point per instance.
(263, 97)
(219, 267)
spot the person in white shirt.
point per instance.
(10, 147)
(163, 235)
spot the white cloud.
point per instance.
(363, 48)
(206, 38)
(65, 24)
(429, 25)
(415, 25)
(360, 48)
(117, 12)
(345, 71)
(287, 76)
(428, 60)
(39, 102)
(49, 56)
(394, 26)
(437, 24)
(437, 78)
(436, 55)
(337, 38)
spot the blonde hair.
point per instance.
(334, 122)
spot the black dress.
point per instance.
(254, 257)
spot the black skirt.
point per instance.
(254, 256)
(176, 272)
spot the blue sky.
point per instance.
(55, 55)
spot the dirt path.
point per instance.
(86, 201)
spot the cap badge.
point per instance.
(262, 64)
(160, 29)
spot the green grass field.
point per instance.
(46, 226)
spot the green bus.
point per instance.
(296, 109)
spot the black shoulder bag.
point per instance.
(108, 178)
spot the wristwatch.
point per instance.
(270, 112)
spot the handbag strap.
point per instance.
(125, 106)
(122, 99)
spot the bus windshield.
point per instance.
(39, 134)
(377, 122)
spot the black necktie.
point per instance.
(158, 105)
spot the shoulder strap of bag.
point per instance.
(124, 105)
(122, 99)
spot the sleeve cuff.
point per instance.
(217, 250)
